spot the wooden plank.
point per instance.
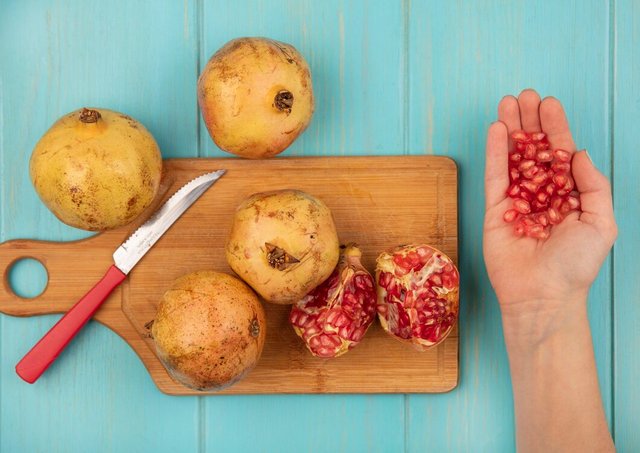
(463, 57)
(355, 51)
(365, 211)
(139, 58)
(305, 423)
(626, 94)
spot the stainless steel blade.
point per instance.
(139, 243)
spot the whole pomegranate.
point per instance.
(541, 185)
(256, 97)
(96, 169)
(283, 243)
(334, 317)
(209, 330)
(418, 290)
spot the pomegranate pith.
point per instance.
(418, 288)
(541, 185)
(334, 317)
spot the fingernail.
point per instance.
(587, 154)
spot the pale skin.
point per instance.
(542, 289)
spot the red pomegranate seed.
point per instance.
(542, 145)
(514, 174)
(520, 136)
(537, 231)
(570, 184)
(526, 164)
(550, 188)
(542, 219)
(530, 151)
(510, 215)
(537, 206)
(529, 173)
(574, 203)
(560, 179)
(514, 190)
(515, 157)
(522, 206)
(554, 216)
(561, 167)
(544, 156)
(520, 146)
(530, 186)
(540, 177)
(562, 155)
(519, 229)
(542, 197)
(538, 136)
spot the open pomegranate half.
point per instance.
(334, 317)
(418, 294)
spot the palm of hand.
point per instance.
(523, 269)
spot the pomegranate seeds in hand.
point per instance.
(541, 185)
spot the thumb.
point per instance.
(595, 191)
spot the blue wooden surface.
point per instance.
(390, 77)
(626, 164)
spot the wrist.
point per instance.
(528, 324)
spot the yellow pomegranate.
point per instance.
(256, 97)
(283, 244)
(209, 330)
(96, 169)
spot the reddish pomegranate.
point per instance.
(418, 288)
(334, 317)
(541, 186)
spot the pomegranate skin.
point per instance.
(418, 294)
(334, 317)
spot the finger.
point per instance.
(496, 173)
(529, 103)
(595, 191)
(554, 123)
(509, 113)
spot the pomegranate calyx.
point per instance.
(278, 258)
(89, 116)
(284, 101)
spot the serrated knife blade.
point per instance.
(139, 243)
(45, 352)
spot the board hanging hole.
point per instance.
(27, 278)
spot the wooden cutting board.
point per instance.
(378, 202)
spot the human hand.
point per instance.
(531, 277)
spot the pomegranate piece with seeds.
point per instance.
(418, 288)
(541, 185)
(334, 317)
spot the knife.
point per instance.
(38, 359)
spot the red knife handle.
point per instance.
(38, 359)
